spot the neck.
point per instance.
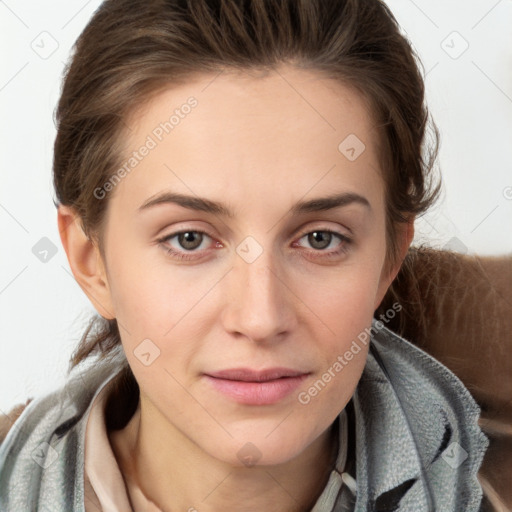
(178, 475)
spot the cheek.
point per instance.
(144, 298)
(157, 308)
(345, 306)
(344, 357)
(346, 300)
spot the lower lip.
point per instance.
(257, 393)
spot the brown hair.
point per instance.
(131, 50)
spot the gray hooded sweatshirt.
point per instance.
(418, 446)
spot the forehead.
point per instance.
(244, 131)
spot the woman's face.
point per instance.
(257, 282)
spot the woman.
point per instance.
(237, 184)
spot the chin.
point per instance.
(258, 450)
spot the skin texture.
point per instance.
(259, 146)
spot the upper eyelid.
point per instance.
(329, 230)
(301, 230)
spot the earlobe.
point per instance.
(85, 261)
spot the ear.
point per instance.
(85, 260)
(404, 234)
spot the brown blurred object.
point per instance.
(458, 308)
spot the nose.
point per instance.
(260, 304)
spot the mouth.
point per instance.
(256, 387)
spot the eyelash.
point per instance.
(346, 241)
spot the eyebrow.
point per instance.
(206, 205)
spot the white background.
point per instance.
(44, 311)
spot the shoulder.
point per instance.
(8, 419)
(417, 425)
(42, 450)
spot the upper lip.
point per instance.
(249, 375)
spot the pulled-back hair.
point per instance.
(132, 50)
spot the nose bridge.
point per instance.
(259, 308)
(257, 268)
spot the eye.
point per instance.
(320, 239)
(188, 240)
